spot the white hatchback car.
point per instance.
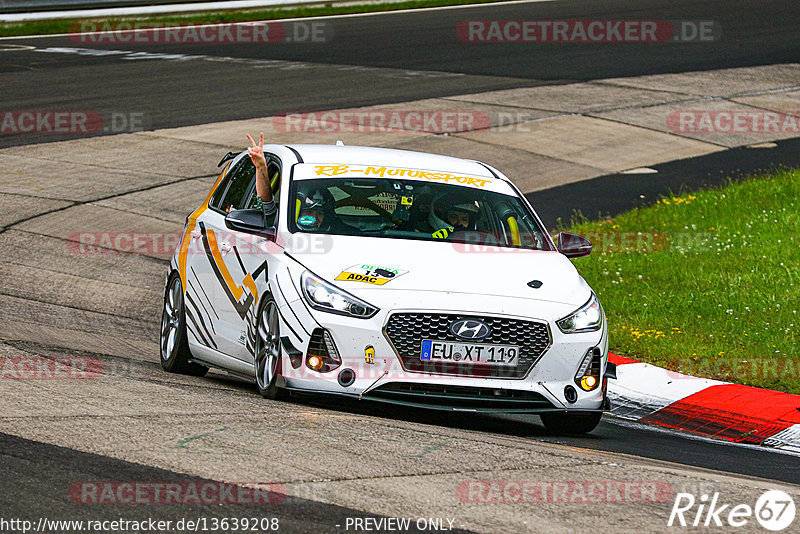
(387, 275)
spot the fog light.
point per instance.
(588, 375)
(588, 383)
(322, 355)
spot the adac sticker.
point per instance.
(370, 274)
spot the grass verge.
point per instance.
(46, 27)
(706, 283)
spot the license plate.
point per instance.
(474, 353)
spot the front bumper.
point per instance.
(380, 374)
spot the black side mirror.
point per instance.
(250, 221)
(573, 245)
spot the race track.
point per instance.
(131, 422)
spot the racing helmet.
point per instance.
(318, 198)
(450, 202)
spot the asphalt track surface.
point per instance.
(378, 60)
(176, 93)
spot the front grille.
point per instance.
(406, 331)
(461, 397)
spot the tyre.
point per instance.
(268, 351)
(571, 423)
(175, 353)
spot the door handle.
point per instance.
(225, 247)
(196, 234)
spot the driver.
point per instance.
(453, 214)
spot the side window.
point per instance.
(233, 191)
(243, 178)
(216, 199)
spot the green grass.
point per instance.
(69, 25)
(711, 287)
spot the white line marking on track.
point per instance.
(14, 48)
(131, 55)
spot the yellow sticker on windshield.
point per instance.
(383, 172)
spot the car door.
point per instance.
(228, 267)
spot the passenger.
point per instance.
(316, 213)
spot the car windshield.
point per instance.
(410, 209)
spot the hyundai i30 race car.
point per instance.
(387, 275)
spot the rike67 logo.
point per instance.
(774, 510)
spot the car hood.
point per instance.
(362, 266)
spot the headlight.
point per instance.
(587, 318)
(326, 297)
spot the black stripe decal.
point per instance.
(200, 337)
(201, 308)
(190, 329)
(204, 293)
(289, 325)
(241, 263)
(200, 316)
(263, 267)
(290, 308)
(242, 308)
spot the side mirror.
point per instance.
(250, 222)
(573, 245)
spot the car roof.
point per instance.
(361, 155)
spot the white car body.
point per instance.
(226, 274)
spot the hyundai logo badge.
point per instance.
(470, 329)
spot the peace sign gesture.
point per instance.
(256, 153)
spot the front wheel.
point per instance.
(175, 353)
(571, 423)
(268, 352)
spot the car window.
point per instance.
(242, 179)
(274, 171)
(232, 191)
(408, 209)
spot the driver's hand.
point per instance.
(256, 153)
(443, 233)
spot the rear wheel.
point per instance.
(571, 423)
(268, 352)
(175, 353)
